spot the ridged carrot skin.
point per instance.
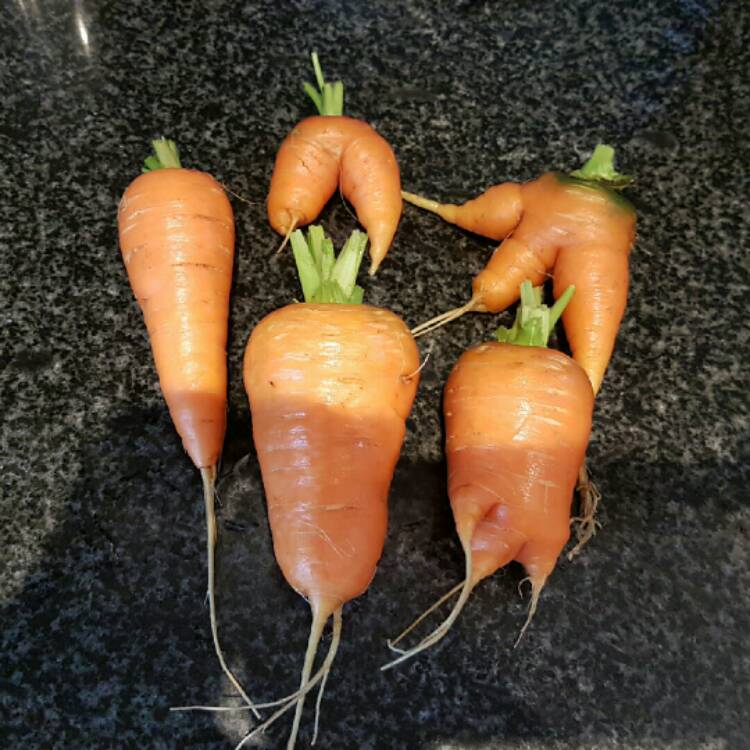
(324, 153)
(330, 387)
(517, 424)
(177, 240)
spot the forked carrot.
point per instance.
(177, 240)
(575, 228)
(330, 383)
(517, 422)
(329, 152)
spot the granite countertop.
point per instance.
(640, 644)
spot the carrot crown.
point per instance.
(328, 97)
(601, 168)
(324, 277)
(534, 320)
(165, 155)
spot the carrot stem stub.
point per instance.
(534, 320)
(601, 168)
(324, 277)
(165, 156)
(328, 97)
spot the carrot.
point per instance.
(330, 383)
(517, 422)
(177, 240)
(575, 227)
(330, 151)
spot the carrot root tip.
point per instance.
(466, 586)
(208, 476)
(288, 234)
(537, 584)
(391, 643)
(293, 700)
(421, 202)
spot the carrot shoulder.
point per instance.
(329, 152)
(330, 383)
(517, 421)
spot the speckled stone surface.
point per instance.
(641, 644)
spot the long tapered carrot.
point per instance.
(177, 240)
(330, 151)
(575, 228)
(330, 383)
(517, 422)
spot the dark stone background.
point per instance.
(642, 643)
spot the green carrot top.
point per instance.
(600, 168)
(165, 155)
(534, 320)
(325, 277)
(328, 97)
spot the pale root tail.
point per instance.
(306, 685)
(421, 202)
(208, 476)
(537, 584)
(439, 633)
(288, 234)
(439, 603)
(444, 318)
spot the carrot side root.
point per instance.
(586, 523)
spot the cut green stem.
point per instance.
(601, 168)
(328, 97)
(324, 277)
(534, 320)
(165, 156)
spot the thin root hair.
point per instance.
(288, 234)
(307, 686)
(444, 318)
(444, 598)
(439, 633)
(208, 476)
(536, 589)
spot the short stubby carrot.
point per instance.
(330, 383)
(517, 422)
(575, 228)
(176, 232)
(329, 152)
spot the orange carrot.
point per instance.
(330, 384)
(177, 240)
(575, 227)
(517, 422)
(331, 151)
